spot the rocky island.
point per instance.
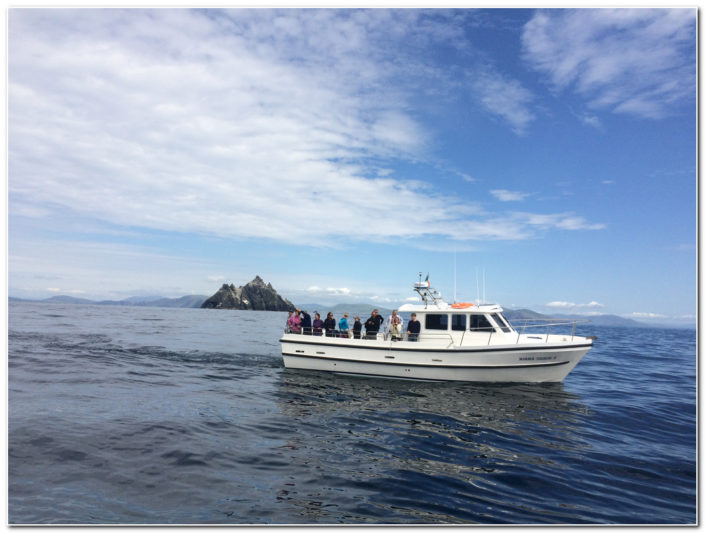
(255, 296)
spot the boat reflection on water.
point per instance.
(424, 451)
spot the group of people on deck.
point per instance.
(299, 321)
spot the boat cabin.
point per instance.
(442, 317)
(437, 316)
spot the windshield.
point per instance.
(501, 322)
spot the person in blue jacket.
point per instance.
(343, 325)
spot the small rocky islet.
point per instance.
(253, 296)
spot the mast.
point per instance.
(455, 271)
(428, 295)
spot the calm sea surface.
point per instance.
(127, 415)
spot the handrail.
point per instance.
(520, 329)
(549, 323)
(363, 335)
(334, 333)
(436, 336)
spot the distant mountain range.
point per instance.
(193, 300)
(514, 315)
(363, 310)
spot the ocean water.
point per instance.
(128, 415)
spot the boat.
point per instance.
(460, 341)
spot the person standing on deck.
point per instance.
(394, 325)
(305, 323)
(413, 328)
(294, 322)
(343, 326)
(357, 328)
(317, 324)
(373, 324)
(329, 324)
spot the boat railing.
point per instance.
(546, 324)
(338, 334)
(436, 336)
(380, 335)
(529, 328)
(320, 332)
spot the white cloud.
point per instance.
(571, 305)
(329, 291)
(639, 314)
(686, 317)
(242, 123)
(504, 195)
(566, 221)
(342, 291)
(504, 97)
(590, 119)
(65, 291)
(107, 270)
(636, 61)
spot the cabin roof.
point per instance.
(442, 306)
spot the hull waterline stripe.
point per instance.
(458, 367)
(396, 348)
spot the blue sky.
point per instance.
(339, 152)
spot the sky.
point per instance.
(538, 158)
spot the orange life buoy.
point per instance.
(461, 305)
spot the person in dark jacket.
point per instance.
(357, 328)
(373, 324)
(413, 328)
(305, 323)
(329, 325)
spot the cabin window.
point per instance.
(502, 322)
(437, 322)
(480, 323)
(458, 322)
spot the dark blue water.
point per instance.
(126, 415)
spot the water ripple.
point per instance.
(149, 416)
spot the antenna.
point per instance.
(428, 295)
(483, 286)
(455, 259)
(477, 283)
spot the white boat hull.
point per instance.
(549, 360)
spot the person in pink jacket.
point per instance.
(294, 322)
